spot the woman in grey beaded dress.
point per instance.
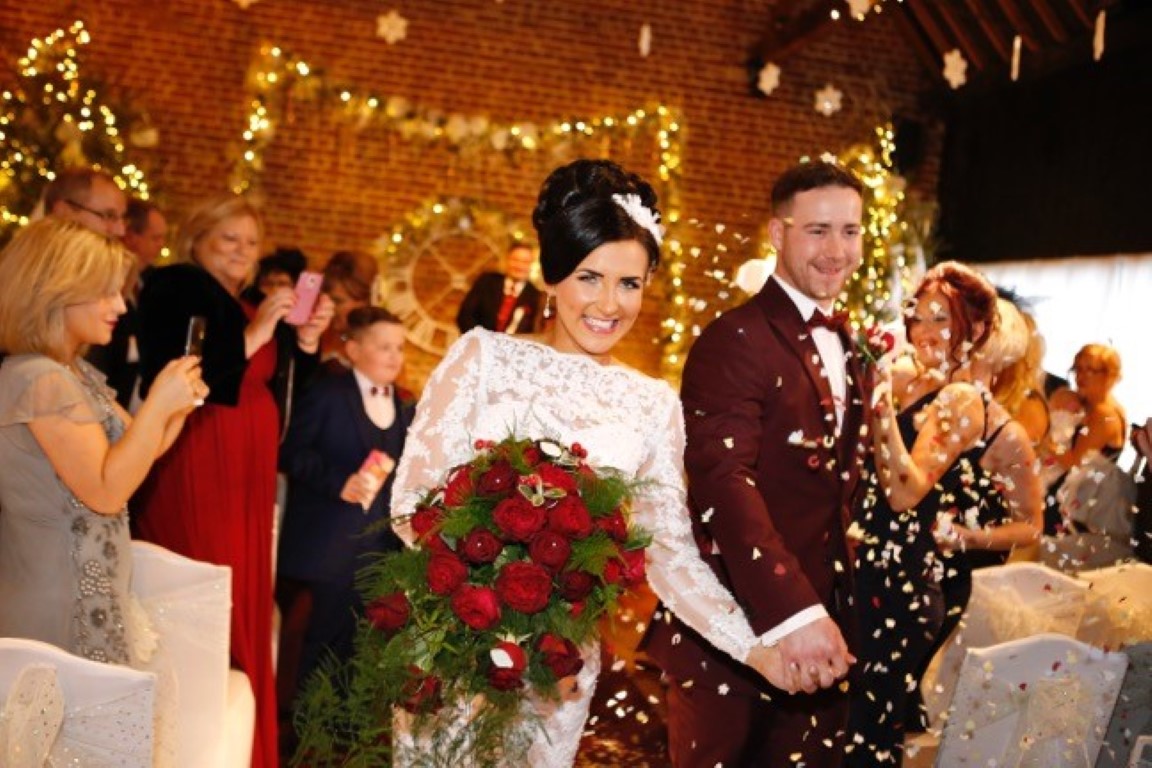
(70, 456)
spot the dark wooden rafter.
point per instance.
(1023, 26)
(1082, 14)
(967, 45)
(1050, 20)
(924, 18)
(786, 34)
(983, 18)
(916, 35)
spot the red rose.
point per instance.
(576, 585)
(613, 572)
(560, 655)
(389, 612)
(556, 477)
(508, 664)
(518, 519)
(500, 479)
(481, 546)
(445, 573)
(532, 456)
(570, 517)
(634, 566)
(421, 692)
(614, 525)
(459, 487)
(478, 607)
(550, 549)
(524, 587)
(437, 544)
(577, 609)
(426, 519)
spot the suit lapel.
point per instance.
(795, 336)
(355, 402)
(857, 410)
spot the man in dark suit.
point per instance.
(145, 233)
(775, 414)
(503, 302)
(334, 498)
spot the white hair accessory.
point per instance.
(641, 214)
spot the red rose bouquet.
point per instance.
(518, 556)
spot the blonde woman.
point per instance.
(212, 497)
(72, 456)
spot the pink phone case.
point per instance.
(307, 291)
(377, 458)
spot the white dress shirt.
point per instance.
(377, 400)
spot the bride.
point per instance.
(599, 238)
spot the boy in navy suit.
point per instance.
(335, 493)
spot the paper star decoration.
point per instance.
(769, 79)
(645, 41)
(859, 8)
(955, 68)
(392, 27)
(828, 100)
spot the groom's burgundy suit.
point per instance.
(771, 488)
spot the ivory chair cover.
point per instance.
(1118, 608)
(1037, 702)
(57, 710)
(1008, 602)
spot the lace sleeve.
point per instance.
(35, 388)
(676, 572)
(439, 437)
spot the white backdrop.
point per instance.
(1103, 299)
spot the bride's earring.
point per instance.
(548, 312)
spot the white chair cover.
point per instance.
(1008, 602)
(62, 710)
(1075, 552)
(188, 603)
(1132, 717)
(1037, 702)
(1118, 609)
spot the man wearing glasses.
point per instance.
(88, 197)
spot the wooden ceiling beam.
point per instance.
(787, 34)
(970, 48)
(914, 32)
(1023, 26)
(1050, 20)
(982, 18)
(1082, 14)
(931, 28)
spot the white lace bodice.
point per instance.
(492, 385)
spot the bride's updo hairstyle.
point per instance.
(576, 214)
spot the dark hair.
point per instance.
(290, 261)
(808, 176)
(363, 318)
(353, 271)
(71, 184)
(971, 300)
(137, 213)
(575, 214)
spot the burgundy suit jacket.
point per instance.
(771, 486)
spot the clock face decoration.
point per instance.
(429, 262)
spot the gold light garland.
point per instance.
(56, 121)
(279, 73)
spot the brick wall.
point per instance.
(328, 185)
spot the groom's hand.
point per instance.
(815, 656)
(770, 664)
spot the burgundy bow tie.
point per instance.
(832, 322)
(381, 391)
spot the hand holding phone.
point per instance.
(307, 291)
(378, 464)
(194, 340)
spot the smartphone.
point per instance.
(194, 341)
(307, 291)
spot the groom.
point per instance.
(774, 405)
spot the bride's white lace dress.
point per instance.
(490, 386)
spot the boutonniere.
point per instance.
(874, 342)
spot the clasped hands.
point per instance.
(808, 659)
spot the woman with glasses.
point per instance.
(1086, 421)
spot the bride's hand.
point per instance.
(569, 688)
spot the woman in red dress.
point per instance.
(212, 496)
